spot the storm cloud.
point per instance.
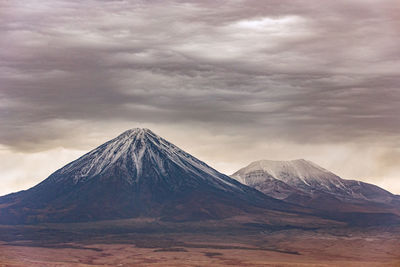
(265, 79)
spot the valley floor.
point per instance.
(151, 244)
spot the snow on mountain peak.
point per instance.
(300, 167)
(130, 144)
(280, 179)
(299, 173)
(135, 131)
(133, 148)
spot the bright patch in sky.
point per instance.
(270, 23)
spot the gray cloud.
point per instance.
(301, 72)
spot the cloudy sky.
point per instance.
(228, 81)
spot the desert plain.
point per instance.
(143, 242)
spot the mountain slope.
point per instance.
(305, 177)
(305, 183)
(135, 174)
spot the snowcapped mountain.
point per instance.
(140, 174)
(135, 174)
(137, 152)
(302, 178)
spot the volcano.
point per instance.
(137, 174)
(305, 183)
(282, 179)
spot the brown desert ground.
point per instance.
(153, 243)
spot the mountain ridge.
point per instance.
(138, 173)
(305, 176)
(305, 183)
(120, 150)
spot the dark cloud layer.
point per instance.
(299, 68)
(322, 72)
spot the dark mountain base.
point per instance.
(67, 203)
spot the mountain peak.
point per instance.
(136, 153)
(295, 179)
(299, 173)
(294, 161)
(299, 167)
(138, 173)
(126, 151)
(135, 131)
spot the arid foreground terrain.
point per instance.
(226, 243)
